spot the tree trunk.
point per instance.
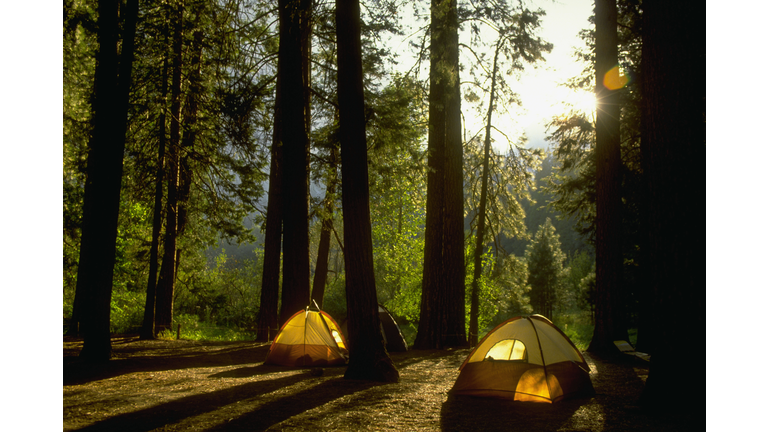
(295, 16)
(148, 327)
(167, 280)
(454, 272)
(429, 331)
(323, 249)
(270, 280)
(368, 358)
(673, 150)
(480, 237)
(441, 320)
(610, 320)
(189, 118)
(101, 203)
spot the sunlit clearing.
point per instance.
(614, 80)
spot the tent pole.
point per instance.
(304, 345)
(543, 361)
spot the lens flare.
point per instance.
(614, 80)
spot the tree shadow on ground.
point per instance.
(404, 359)
(468, 413)
(177, 410)
(262, 369)
(284, 408)
(78, 372)
(619, 405)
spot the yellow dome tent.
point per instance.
(525, 359)
(308, 338)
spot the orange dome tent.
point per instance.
(525, 359)
(308, 338)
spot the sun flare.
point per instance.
(556, 102)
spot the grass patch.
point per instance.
(632, 336)
(191, 329)
(577, 326)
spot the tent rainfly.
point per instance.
(308, 338)
(393, 337)
(525, 359)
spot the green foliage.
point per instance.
(397, 182)
(546, 273)
(127, 311)
(225, 293)
(587, 290)
(227, 156)
(335, 298)
(79, 47)
(192, 329)
(579, 266)
(512, 276)
(503, 288)
(517, 43)
(572, 182)
(538, 208)
(510, 179)
(398, 248)
(577, 326)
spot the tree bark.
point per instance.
(673, 152)
(441, 319)
(270, 281)
(610, 320)
(324, 247)
(148, 327)
(189, 118)
(101, 202)
(167, 280)
(454, 272)
(295, 15)
(429, 331)
(368, 356)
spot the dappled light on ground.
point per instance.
(194, 386)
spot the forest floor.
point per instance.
(185, 385)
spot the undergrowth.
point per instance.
(191, 329)
(577, 326)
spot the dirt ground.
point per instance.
(224, 386)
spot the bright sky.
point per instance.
(539, 89)
(541, 95)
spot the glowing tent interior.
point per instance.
(308, 338)
(526, 359)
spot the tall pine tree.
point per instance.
(545, 269)
(368, 358)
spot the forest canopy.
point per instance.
(232, 48)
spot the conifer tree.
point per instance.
(368, 355)
(294, 18)
(545, 269)
(101, 200)
(674, 151)
(442, 316)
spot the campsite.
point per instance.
(380, 215)
(182, 385)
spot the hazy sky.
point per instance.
(538, 88)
